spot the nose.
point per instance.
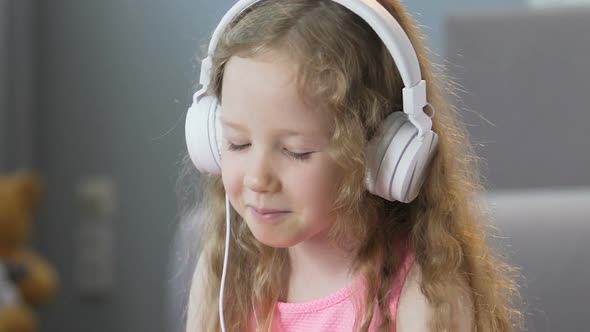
(259, 175)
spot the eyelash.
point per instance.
(297, 156)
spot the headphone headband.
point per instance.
(378, 18)
(387, 29)
(383, 24)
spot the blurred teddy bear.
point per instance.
(26, 279)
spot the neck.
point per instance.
(317, 269)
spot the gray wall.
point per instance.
(115, 77)
(17, 84)
(526, 79)
(3, 83)
(432, 16)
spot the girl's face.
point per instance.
(275, 164)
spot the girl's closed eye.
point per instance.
(236, 147)
(295, 155)
(298, 155)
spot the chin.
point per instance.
(275, 239)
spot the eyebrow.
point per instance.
(232, 124)
(283, 131)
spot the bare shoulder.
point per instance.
(415, 312)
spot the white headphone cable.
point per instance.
(225, 259)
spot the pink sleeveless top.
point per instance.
(335, 312)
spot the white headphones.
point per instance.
(398, 155)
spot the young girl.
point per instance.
(305, 87)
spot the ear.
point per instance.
(29, 186)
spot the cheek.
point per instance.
(316, 188)
(231, 178)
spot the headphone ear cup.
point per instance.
(398, 159)
(391, 160)
(377, 149)
(412, 169)
(203, 134)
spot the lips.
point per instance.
(267, 216)
(267, 211)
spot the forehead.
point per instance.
(264, 88)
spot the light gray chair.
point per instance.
(547, 234)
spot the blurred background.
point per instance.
(93, 96)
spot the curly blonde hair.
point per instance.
(344, 67)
